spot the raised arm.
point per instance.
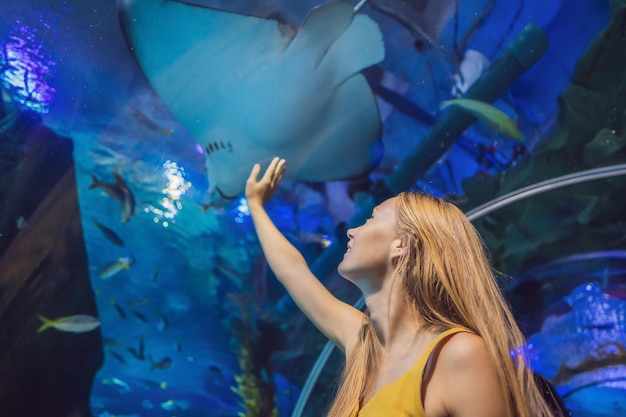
(339, 321)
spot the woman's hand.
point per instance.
(258, 192)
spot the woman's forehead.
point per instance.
(386, 205)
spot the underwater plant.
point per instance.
(252, 387)
(256, 338)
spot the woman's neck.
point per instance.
(395, 324)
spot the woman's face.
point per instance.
(370, 246)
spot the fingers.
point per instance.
(270, 171)
(273, 174)
(254, 173)
(277, 173)
(258, 192)
(274, 171)
(281, 167)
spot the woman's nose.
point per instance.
(350, 232)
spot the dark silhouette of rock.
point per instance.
(43, 271)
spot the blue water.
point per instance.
(189, 261)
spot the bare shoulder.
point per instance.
(468, 377)
(463, 349)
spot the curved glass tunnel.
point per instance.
(131, 285)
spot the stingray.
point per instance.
(248, 89)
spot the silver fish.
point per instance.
(109, 234)
(118, 191)
(147, 122)
(116, 267)
(78, 323)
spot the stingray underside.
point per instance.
(301, 96)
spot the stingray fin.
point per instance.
(190, 52)
(321, 28)
(349, 144)
(359, 47)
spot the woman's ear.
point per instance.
(397, 248)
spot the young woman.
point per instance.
(438, 338)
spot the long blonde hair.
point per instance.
(448, 282)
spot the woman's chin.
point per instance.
(343, 270)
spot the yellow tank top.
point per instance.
(403, 397)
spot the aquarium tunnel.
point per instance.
(132, 282)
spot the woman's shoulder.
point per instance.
(462, 349)
(466, 376)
